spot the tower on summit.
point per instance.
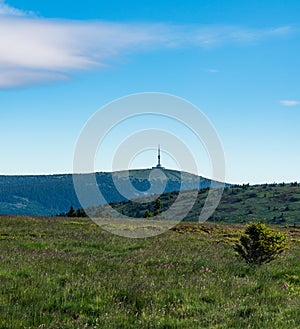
(159, 166)
(158, 157)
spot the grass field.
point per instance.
(70, 273)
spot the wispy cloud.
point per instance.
(211, 70)
(213, 36)
(14, 78)
(40, 48)
(289, 102)
(6, 10)
(35, 50)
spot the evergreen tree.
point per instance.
(157, 207)
(148, 214)
(259, 245)
(81, 213)
(71, 212)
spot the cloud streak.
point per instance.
(40, 48)
(289, 102)
(34, 50)
(6, 10)
(211, 71)
(213, 36)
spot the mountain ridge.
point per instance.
(48, 195)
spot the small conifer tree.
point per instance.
(260, 245)
(80, 213)
(157, 207)
(71, 212)
(148, 214)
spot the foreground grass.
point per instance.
(66, 273)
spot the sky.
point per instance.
(237, 61)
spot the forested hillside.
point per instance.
(53, 194)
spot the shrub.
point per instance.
(260, 245)
(148, 214)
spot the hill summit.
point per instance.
(53, 194)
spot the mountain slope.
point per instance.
(275, 204)
(53, 194)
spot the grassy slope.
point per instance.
(275, 204)
(69, 273)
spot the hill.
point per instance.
(53, 194)
(276, 204)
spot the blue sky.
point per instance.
(60, 61)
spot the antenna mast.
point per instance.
(158, 159)
(158, 165)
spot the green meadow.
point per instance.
(70, 273)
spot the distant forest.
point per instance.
(54, 194)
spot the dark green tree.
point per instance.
(157, 207)
(71, 212)
(260, 245)
(148, 214)
(80, 213)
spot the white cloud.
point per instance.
(21, 77)
(211, 71)
(39, 48)
(6, 10)
(217, 35)
(289, 103)
(35, 50)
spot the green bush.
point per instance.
(260, 245)
(148, 214)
